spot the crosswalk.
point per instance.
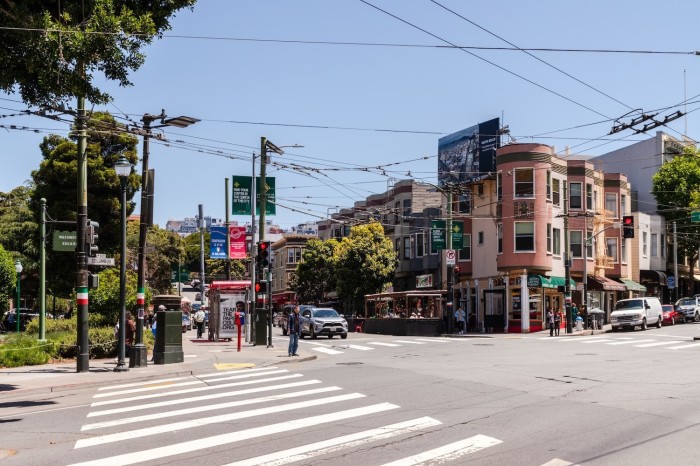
(677, 343)
(341, 347)
(175, 419)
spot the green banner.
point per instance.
(457, 234)
(184, 273)
(65, 241)
(437, 235)
(240, 204)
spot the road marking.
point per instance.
(211, 407)
(335, 444)
(628, 342)
(434, 340)
(234, 365)
(193, 390)
(233, 437)
(316, 343)
(186, 425)
(448, 452)
(692, 345)
(219, 374)
(378, 343)
(660, 343)
(213, 396)
(558, 462)
(322, 349)
(184, 384)
(408, 342)
(190, 355)
(140, 384)
(578, 339)
(360, 347)
(597, 341)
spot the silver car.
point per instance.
(323, 321)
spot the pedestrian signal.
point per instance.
(261, 287)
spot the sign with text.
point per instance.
(424, 281)
(217, 243)
(65, 241)
(457, 234)
(240, 204)
(437, 234)
(237, 241)
(450, 256)
(227, 314)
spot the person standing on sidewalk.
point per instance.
(550, 322)
(199, 320)
(294, 329)
(461, 319)
(557, 322)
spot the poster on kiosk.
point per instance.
(229, 303)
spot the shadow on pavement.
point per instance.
(25, 404)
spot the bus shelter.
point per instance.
(225, 299)
(404, 313)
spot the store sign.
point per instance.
(424, 281)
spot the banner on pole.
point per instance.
(217, 243)
(237, 241)
(240, 204)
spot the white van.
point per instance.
(630, 313)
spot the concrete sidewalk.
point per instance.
(576, 333)
(201, 356)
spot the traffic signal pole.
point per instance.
(81, 278)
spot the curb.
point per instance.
(464, 335)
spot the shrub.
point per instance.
(22, 350)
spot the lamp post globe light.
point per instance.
(18, 269)
(123, 169)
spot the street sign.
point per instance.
(671, 281)
(695, 217)
(101, 260)
(64, 241)
(451, 256)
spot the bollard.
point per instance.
(238, 325)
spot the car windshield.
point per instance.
(667, 308)
(325, 313)
(686, 302)
(631, 304)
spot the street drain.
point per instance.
(348, 363)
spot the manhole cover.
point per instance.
(349, 363)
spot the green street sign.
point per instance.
(65, 241)
(695, 217)
(184, 273)
(457, 234)
(437, 235)
(240, 204)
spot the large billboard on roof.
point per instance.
(469, 155)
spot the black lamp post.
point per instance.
(18, 269)
(123, 169)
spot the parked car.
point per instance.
(672, 315)
(690, 307)
(186, 323)
(642, 312)
(288, 309)
(323, 321)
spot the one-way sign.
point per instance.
(101, 260)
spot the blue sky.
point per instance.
(423, 93)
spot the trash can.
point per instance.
(168, 346)
(579, 323)
(597, 316)
(260, 324)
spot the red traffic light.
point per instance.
(263, 245)
(261, 287)
(628, 220)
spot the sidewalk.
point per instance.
(201, 356)
(562, 333)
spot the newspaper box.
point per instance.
(226, 298)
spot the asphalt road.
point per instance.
(615, 398)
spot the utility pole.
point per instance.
(202, 281)
(253, 251)
(567, 263)
(675, 264)
(81, 276)
(228, 233)
(450, 268)
(42, 272)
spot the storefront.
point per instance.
(405, 313)
(603, 294)
(635, 289)
(656, 283)
(529, 302)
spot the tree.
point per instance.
(19, 232)
(50, 50)
(366, 263)
(105, 299)
(315, 275)
(55, 178)
(676, 187)
(7, 279)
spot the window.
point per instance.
(654, 245)
(407, 247)
(556, 200)
(406, 207)
(465, 203)
(524, 236)
(433, 249)
(480, 237)
(623, 204)
(499, 186)
(420, 244)
(611, 248)
(397, 248)
(611, 203)
(589, 244)
(499, 228)
(574, 195)
(556, 242)
(662, 245)
(549, 238)
(576, 243)
(294, 255)
(644, 244)
(524, 182)
(589, 196)
(480, 190)
(465, 254)
(549, 185)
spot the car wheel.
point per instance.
(644, 324)
(312, 333)
(330, 336)
(614, 329)
(696, 318)
(344, 336)
(658, 322)
(284, 332)
(673, 321)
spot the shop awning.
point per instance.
(632, 285)
(604, 284)
(538, 281)
(653, 277)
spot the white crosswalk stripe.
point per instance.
(409, 342)
(686, 346)
(660, 343)
(152, 431)
(360, 347)
(322, 349)
(680, 342)
(628, 342)
(380, 343)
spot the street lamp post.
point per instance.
(123, 169)
(138, 357)
(18, 269)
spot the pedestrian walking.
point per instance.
(550, 321)
(461, 320)
(130, 329)
(294, 329)
(557, 322)
(199, 320)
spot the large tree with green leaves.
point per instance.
(7, 279)
(366, 263)
(315, 275)
(676, 187)
(51, 50)
(18, 228)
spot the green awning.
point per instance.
(561, 281)
(538, 281)
(632, 285)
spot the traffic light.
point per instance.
(263, 257)
(628, 226)
(261, 287)
(91, 238)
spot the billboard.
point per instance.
(469, 155)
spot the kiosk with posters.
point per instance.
(226, 298)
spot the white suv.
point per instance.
(690, 307)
